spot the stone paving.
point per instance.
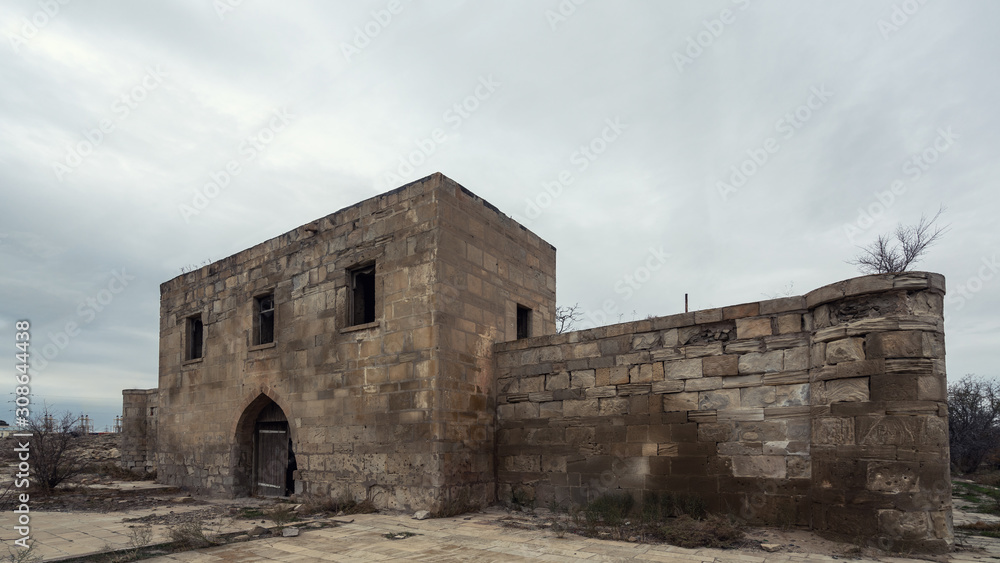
(474, 537)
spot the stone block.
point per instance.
(642, 373)
(740, 448)
(616, 406)
(715, 432)
(931, 388)
(720, 365)
(791, 395)
(680, 402)
(899, 344)
(798, 467)
(683, 369)
(760, 466)
(552, 409)
(583, 379)
(557, 381)
(845, 350)
(858, 369)
(743, 346)
(740, 311)
(750, 414)
(767, 362)
(646, 341)
(708, 316)
(893, 387)
(742, 381)
(786, 378)
(796, 359)
(782, 305)
(838, 390)
(900, 525)
(753, 328)
(669, 338)
(701, 351)
(601, 392)
(830, 430)
(669, 386)
(618, 375)
(751, 397)
(585, 407)
(893, 477)
(703, 384)
(878, 430)
(790, 323)
(719, 399)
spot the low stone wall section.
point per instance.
(827, 410)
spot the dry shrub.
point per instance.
(714, 531)
(190, 534)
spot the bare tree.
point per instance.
(895, 253)
(51, 448)
(973, 421)
(566, 317)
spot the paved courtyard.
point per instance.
(476, 537)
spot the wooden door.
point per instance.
(272, 458)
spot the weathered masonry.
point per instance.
(827, 410)
(403, 350)
(351, 356)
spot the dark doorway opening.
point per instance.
(265, 459)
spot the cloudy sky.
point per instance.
(742, 149)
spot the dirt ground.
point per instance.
(104, 488)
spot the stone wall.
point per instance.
(138, 447)
(397, 410)
(826, 410)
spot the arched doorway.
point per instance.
(264, 457)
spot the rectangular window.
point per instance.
(195, 338)
(362, 295)
(523, 322)
(263, 319)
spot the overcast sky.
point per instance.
(742, 149)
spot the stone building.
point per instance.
(404, 350)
